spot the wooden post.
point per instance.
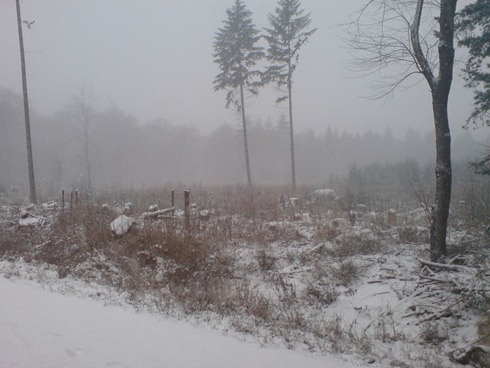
(283, 201)
(71, 200)
(392, 217)
(62, 200)
(76, 198)
(173, 203)
(187, 202)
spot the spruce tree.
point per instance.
(236, 53)
(287, 33)
(473, 28)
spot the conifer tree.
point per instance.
(287, 33)
(474, 33)
(236, 53)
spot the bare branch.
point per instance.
(422, 62)
(382, 37)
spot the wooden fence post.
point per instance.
(173, 203)
(187, 202)
(62, 200)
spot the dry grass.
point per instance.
(255, 269)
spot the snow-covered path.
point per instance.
(42, 329)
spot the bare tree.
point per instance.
(400, 39)
(30, 160)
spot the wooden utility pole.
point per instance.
(30, 162)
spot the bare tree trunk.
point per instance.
(440, 209)
(291, 131)
(30, 161)
(247, 159)
(245, 139)
(440, 88)
(440, 96)
(87, 157)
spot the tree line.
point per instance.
(124, 153)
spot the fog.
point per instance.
(156, 119)
(124, 154)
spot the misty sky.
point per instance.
(153, 59)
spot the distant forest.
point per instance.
(124, 153)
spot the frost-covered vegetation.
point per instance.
(341, 270)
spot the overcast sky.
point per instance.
(153, 59)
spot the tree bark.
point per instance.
(245, 139)
(290, 100)
(440, 209)
(440, 96)
(86, 121)
(291, 131)
(30, 160)
(440, 88)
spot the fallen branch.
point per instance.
(438, 280)
(443, 265)
(464, 355)
(440, 313)
(155, 214)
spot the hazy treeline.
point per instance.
(126, 154)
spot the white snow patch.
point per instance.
(43, 329)
(122, 224)
(327, 193)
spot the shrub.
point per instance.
(345, 272)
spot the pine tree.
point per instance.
(236, 53)
(288, 32)
(473, 28)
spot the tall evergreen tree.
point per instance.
(473, 28)
(236, 53)
(287, 33)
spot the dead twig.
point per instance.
(444, 266)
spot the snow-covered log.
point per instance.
(156, 214)
(27, 219)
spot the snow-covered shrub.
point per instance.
(265, 260)
(321, 294)
(413, 234)
(357, 243)
(345, 272)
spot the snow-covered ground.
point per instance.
(44, 329)
(302, 288)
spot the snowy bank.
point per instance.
(43, 329)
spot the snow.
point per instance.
(328, 193)
(28, 219)
(356, 290)
(40, 328)
(122, 224)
